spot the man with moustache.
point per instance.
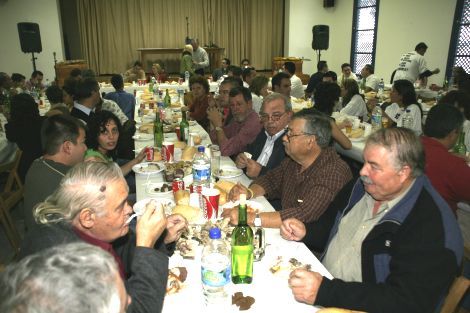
(395, 245)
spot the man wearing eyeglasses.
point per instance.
(267, 151)
(242, 130)
(306, 182)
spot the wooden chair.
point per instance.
(456, 293)
(9, 197)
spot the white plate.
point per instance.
(192, 123)
(139, 206)
(142, 137)
(229, 172)
(148, 168)
(152, 186)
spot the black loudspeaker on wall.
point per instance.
(30, 37)
(321, 36)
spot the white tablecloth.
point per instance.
(271, 292)
(130, 88)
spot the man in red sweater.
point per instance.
(449, 174)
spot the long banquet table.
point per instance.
(130, 87)
(271, 291)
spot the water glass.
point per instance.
(215, 159)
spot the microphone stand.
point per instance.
(188, 40)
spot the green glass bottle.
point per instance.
(167, 100)
(158, 130)
(242, 247)
(459, 147)
(184, 127)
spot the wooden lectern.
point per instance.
(63, 69)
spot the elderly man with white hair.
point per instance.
(90, 205)
(57, 280)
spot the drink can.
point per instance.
(178, 132)
(178, 184)
(195, 188)
(168, 151)
(149, 153)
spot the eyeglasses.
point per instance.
(289, 135)
(274, 117)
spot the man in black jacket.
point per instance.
(395, 245)
(90, 205)
(267, 151)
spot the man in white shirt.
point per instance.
(413, 65)
(200, 57)
(267, 151)
(346, 73)
(369, 81)
(281, 83)
(87, 96)
(297, 89)
(248, 73)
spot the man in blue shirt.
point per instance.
(125, 100)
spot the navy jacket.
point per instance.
(277, 156)
(409, 259)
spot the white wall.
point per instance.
(402, 24)
(46, 14)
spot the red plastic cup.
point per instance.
(211, 203)
(168, 151)
(149, 153)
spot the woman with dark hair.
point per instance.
(259, 90)
(325, 97)
(24, 128)
(461, 100)
(199, 100)
(403, 98)
(353, 102)
(102, 140)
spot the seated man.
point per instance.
(125, 100)
(90, 205)
(248, 73)
(220, 72)
(449, 174)
(63, 143)
(242, 130)
(346, 73)
(281, 84)
(55, 95)
(297, 89)
(330, 77)
(369, 81)
(223, 99)
(394, 246)
(134, 73)
(306, 182)
(87, 96)
(35, 81)
(316, 78)
(53, 281)
(267, 151)
(19, 82)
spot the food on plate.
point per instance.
(176, 277)
(148, 167)
(197, 139)
(242, 302)
(188, 153)
(224, 187)
(281, 265)
(180, 168)
(146, 128)
(182, 197)
(230, 171)
(187, 248)
(356, 133)
(164, 188)
(191, 213)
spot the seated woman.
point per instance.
(159, 73)
(461, 100)
(102, 140)
(24, 128)
(403, 98)
(199, 100)
(186, 63)
(259, 90)
(353, 102)
(325, 97)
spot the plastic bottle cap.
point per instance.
(214, 233)
(200, 149)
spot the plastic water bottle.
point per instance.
(215, 269)
(381, 88)
(407, 120)
(376, 118)
(186, 77)
(201, 168)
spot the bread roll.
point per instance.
(188, 153)
(180, 144)
(356, 133)
(197, 139)
(191, 214)
(157, 156)
(224, 186)
(182, 197)
(223, 198)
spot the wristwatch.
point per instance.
(257, 220)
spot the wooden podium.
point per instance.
(278, 62)
(63, 69)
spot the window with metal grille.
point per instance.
(364, 34)
(459, 50)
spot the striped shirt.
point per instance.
(306, 195)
